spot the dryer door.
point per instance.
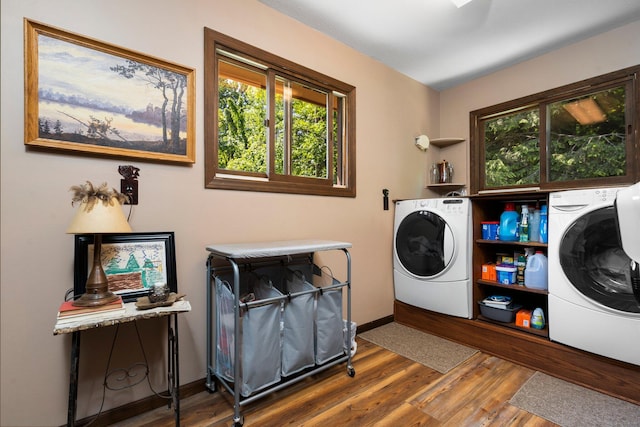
(592, 258)
(424, 244)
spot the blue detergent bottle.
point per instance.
(534, 225)
(509, 223)
(544, 225)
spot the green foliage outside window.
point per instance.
(308, 138)
(275, 126)
(588, 150)
(579, 146)
(242, 139)
(512, 153)
(242, 135)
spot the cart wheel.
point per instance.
(212, 387)
(351, 371)
(238, 422)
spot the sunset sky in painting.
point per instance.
(72, 69)
(69, 69)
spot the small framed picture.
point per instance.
(133, 262)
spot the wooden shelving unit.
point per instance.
(489, 208)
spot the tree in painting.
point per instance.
(172, 86)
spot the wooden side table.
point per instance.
(131, 314)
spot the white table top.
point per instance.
(131, 313)
(278, 248)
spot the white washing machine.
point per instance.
(432, 255)
(591, 302)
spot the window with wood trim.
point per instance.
(273, 125)
(579, 135)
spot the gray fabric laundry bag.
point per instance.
(329, 333)
(260, 345)
(298, 324)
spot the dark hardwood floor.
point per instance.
(387, 390)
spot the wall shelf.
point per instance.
(446, 186)
(445, 142)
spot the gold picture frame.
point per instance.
(87, 96)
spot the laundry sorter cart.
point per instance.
(274, 317)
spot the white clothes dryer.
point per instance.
(591, 302)
(432, 255)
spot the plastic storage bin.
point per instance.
(506, 315)
(260, 346)
(506, 274)
(490, 230)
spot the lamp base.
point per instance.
(96, 299)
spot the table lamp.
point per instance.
(100, 212)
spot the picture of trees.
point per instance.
(85, 95)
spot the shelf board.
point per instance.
(445, 142)
(516, 243)
(513, 287)
(446, 185)
(539, 332)
(513, 194)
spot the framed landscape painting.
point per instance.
(87, 96)
(133, 262)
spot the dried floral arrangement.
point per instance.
(90, 195)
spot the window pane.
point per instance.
(339, 138)
(512, 154)
(587, 136)
(301, 130)
(242, 113)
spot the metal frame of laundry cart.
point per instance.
(237, 261)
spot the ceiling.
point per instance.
(442, 46)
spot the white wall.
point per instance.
(37, 255)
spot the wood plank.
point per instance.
(612, 377)
(388, 389)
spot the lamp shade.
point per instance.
(102, 217)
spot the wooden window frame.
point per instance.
(541, 100)
(217, 178)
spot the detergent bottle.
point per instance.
(537, 319)
(544, 225)
(535, 274)
(524, 224)
(508, 223)
(534, 225)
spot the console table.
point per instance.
(130, 314)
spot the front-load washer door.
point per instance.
(424, 244)
(592, 259)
